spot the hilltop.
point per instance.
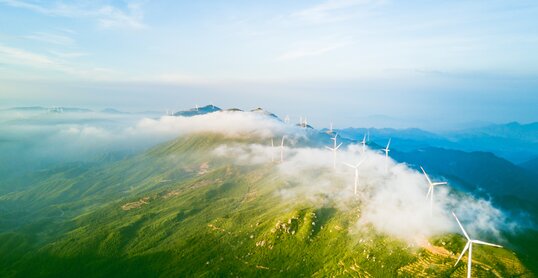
(214, 203)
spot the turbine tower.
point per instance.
(272, 150)
(282, 149)
(334, 149)
(431, 188)
(363, 143)
(387, 150)
(469, 246)
(356, 167)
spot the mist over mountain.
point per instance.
(214, 190)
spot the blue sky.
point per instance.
(353, 62)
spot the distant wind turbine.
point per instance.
(196, 107)
(282, 149)
(331, 128)
(334, 149)
(387, 150)
(272, 150)
(363, 143)
(356, 167)
(469, 246)
(431, 188)
(287, 119)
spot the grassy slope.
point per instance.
(184, 221)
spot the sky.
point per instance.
(428, 64)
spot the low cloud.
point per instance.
(391, 196)
(393, 201)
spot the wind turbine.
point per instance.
(356, 167)
(331, 129)
(431, 188)
(305, 124)
(387, 150)
(469, 246)
(282, 149)
(272, 150)
(196, 107)
(363, 142)
(287, 119)
(334, 149)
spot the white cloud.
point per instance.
(107, 16)
(12, 55)
(51, 38)
(21, 57)
(394, 202)
(330, 10)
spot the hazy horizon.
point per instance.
(427, 65)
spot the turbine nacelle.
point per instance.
(469, 246)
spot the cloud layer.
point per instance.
(391, 196)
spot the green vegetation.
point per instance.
(177, 211)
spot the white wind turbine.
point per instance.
(356, 167)
(431, 188)
(363, 143)
(331, 129)
(469, 246)
(272, 150)
(334, 149)
(387, 150)
(287, 119)
(282, 149)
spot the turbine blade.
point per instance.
(462, 229)
(338, 146)
(426, 175)
(429, 191)
(440, 183)
(463, 252)
(486, 243)
(329, 148)
(388, 144)
(347, 164)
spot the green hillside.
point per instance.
(179, 210)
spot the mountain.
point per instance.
(406, 139)
(264, 112)
(112, 111)
(531, 165)
(513, 141)
(29, 108)
(479, 172)
(198, 111)
(179, 210)
(215, 203)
